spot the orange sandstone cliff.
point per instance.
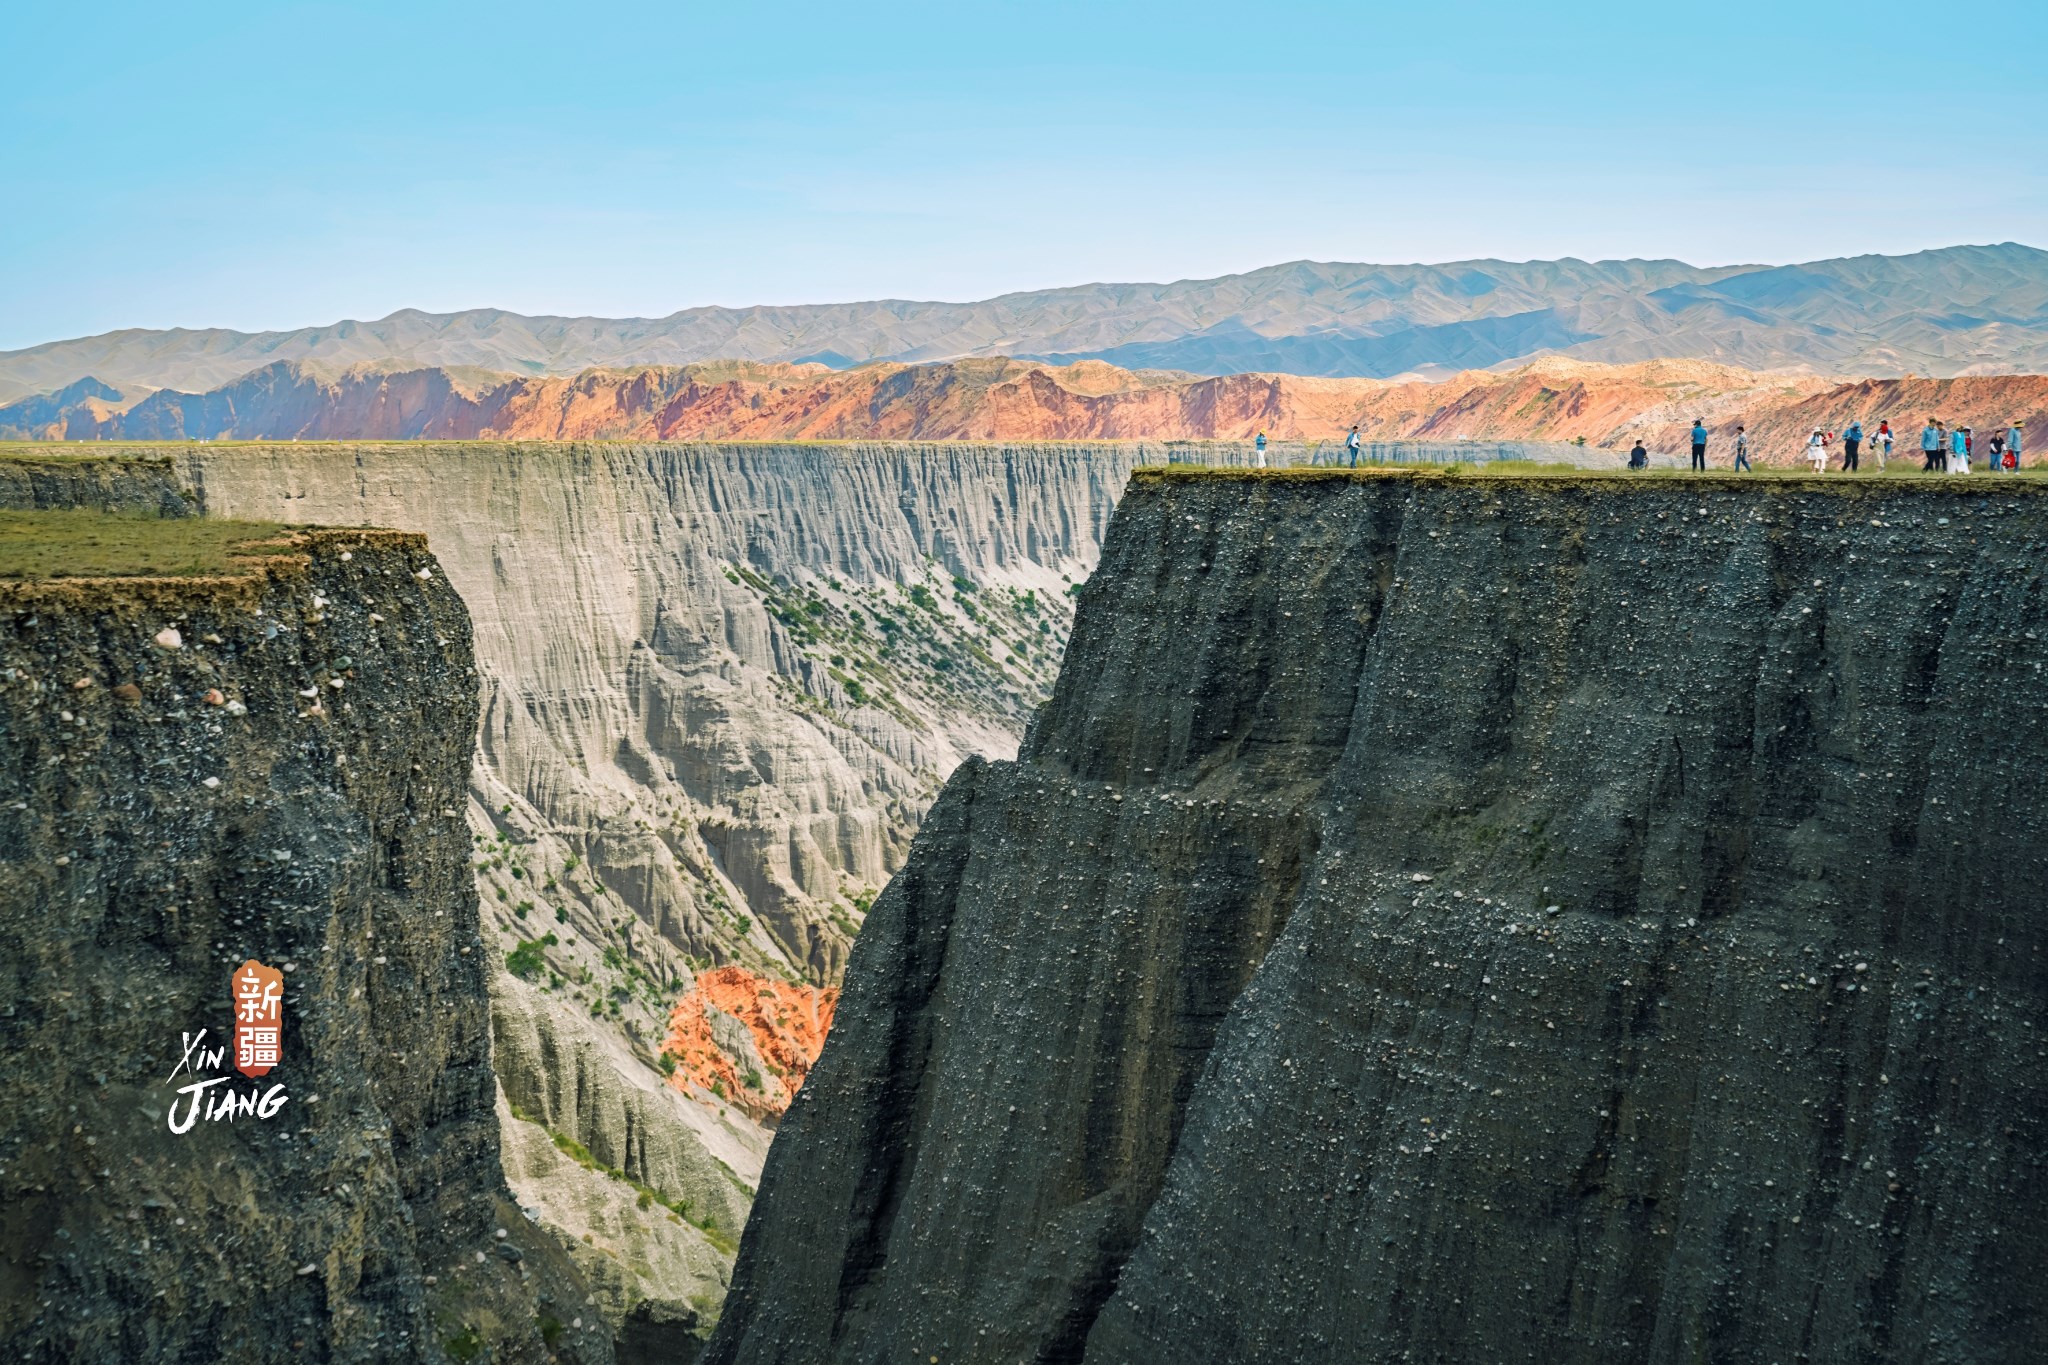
(1552, 399)
(749, 1040)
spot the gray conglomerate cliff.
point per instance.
(1465, 919)
(268, 764)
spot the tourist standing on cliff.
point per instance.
(1852, 444)
(1638, 458)
(1817, 451)
(1260, 446)
(1959, 451)
(1699, 444)
(2012, 444)
(1994, 452)
(1884, 443)
(1351, 444)
(1930, 445)
(1742, 450)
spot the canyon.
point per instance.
(1464, 918)
(1554, 399)
(717, 688)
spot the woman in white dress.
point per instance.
(1817, 451)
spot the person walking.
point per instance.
(1930, 446)
(2012, 444)
(1699, 444)
(1742, 450)
(1638, 458)
(1884, 443)
(1351, 444)
(1852, 443)
(1259, 444)
(1817, 451)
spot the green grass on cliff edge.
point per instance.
(93, 544)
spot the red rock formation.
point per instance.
(1010, 400)
(788, 1024)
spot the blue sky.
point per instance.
(282, 164)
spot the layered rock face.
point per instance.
(1464, 919)
(197, 772)
(141, 484)
(724, 681)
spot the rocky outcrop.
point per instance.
(748, 1037)
(1464, 919)
(145, 485)
(270, 766)
(573, 1078)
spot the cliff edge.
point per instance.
(266, 764)
(1452, 918)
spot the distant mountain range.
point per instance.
(1556, 399)
(1957, 310)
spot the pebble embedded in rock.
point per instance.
(169, 638)
(128, 692)
(213, 697)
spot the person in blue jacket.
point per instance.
(1260, 446)
(1959, 450)
(1699, 444)
(2012, 444)
(1930, 447)
(1852, 442)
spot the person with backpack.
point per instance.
(1852, 443)
(1699, 444)
(1351, 444)
(1638, 458)
(1930, 445)
(1260, 446)
(1742, 450)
